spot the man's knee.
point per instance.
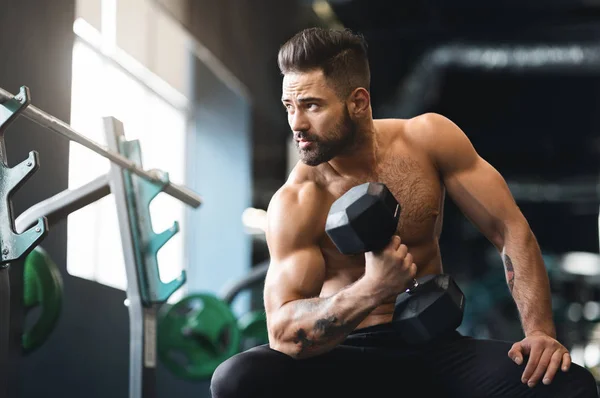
(232, 376)
(582, 384)
(248, 373)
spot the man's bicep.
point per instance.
(299, 275)
(297, 267)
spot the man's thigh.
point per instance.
(367, 371)
(469, 367)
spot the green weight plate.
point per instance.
(43, 289)
(253, 327)
(195, 335)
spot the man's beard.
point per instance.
(324, 149)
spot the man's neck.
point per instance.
(361, 160)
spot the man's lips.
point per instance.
(304, 143)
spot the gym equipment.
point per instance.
(58, 126)
(59, 206)
(431, 308)
(253, 329)
(256, 275)
(15, 246)
(196, 334)
(134, 210)
(133, 189)
(365, 219)
(200, 331)
(13, 249)
(252, 325)
(146, 292)
(42, 288)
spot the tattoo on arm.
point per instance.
(510, 272)
(302, 338)
(323, 328)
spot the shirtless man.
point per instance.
(329, 314)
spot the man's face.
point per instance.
(320, 121)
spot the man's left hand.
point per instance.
(546, 355)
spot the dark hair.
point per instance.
(340, 54)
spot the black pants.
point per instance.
(372, 363)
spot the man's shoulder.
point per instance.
(416, 126)
(301, 189)
(296, 211)
(297, 192)
(423, 130)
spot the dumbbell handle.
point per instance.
(415, 284)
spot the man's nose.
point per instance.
(299, 122)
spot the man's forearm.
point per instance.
(309, 327)
(527, 280)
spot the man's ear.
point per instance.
(359, 102)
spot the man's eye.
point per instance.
(312, 106)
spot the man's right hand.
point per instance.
(390, 270)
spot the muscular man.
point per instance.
(329, 314)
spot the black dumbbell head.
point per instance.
(363, 219)
(432, 309)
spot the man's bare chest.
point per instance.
(415, 186)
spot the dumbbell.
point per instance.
(364, 219)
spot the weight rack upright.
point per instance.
(133, 189)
